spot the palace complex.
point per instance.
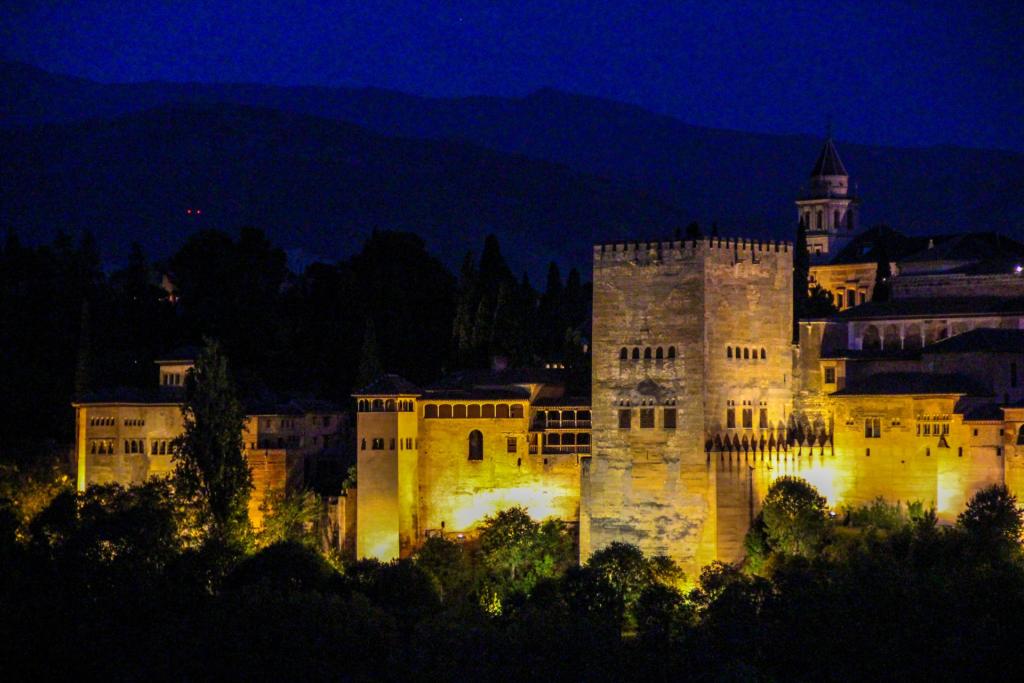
(700, 397)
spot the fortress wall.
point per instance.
(652, 487)
(460, 493)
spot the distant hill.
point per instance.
(745, 181)
(314, 185)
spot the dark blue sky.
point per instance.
(897, 73)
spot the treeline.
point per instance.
(68, 328)
(126, 585)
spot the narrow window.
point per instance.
(93, 450)
(830, 375)
(476, 445)
(730, 418)
(126, 446)
(999, 451)
(927, 430)
(647, 353)
(670, 418)
(763, 419)
(392, 445)
(623, 354)
(519, 462)
(625, 419)
(512, 444)
(647, 418)
(835, 220)
(839, 300)
(748, 418)
(867, 452)
(154, 449)
(671, 352)
(728, 352)
(763, 355)
(746, 354)
(873, 427)
(163, 448)
(960, 452)
(821, 220)
(636, 353)
(659, 354)
(928, 452)
(362, 446)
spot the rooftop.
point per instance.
(913, 383)
(934, 307)
(981, 340)
(828, 162)
(389, 385)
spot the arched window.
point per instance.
(671, 352)
(891, 338)
(647, 353)
(126, 446)
(1020, 436)
(763, 354)
(746, 354)
(444, 412)
(473, 411)
(459, 412)
(871, 340)
(378, 405)
(728, 352)
(821, 221)
(476, 445)
(389, 405)
(624, 353)
(636, 353)
(659, 354)
(155, 449)
(430, 411)
(362, 446)
(517, 411)
(912, 338)
(488, 410)
(835, 220)
(501, 411)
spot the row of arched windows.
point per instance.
(649, 353)
(135, 422)
(102, 446)
(459, 411)
(161, 447)
(101, 422)
(380, 405)
(742, 353)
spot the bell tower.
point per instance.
(829, 211)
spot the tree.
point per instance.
(209, 457)
(796, 517)
(992, 517)
(883, 271)
(518, 551)
(369, 358)
(820, 303)
(801, 276)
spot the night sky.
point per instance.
(893, 73)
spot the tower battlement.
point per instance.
(683, 249)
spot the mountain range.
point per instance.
(549, 173)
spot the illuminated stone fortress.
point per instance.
(700, 398)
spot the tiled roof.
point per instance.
(390, 385)
(828, 162)
(990, 412)
(981, 340)
(127, 395)
(931, 308)
(477, 394)
(563, 402)
(186, 354)
(864, 247)
(913, 383)
(499, 378)
(968, 246)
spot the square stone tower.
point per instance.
(691, 343)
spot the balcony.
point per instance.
(541, 425)
(562, 450)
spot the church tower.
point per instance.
(828, 209)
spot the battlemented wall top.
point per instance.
(738, 244)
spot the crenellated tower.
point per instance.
(828, 209)
(691, 343)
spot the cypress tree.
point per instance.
(369, 358)
(883, 271)
(801, 275)
(210, 463)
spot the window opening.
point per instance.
(476, 445)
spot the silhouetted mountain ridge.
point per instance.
(312, 184)
(744, 181)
